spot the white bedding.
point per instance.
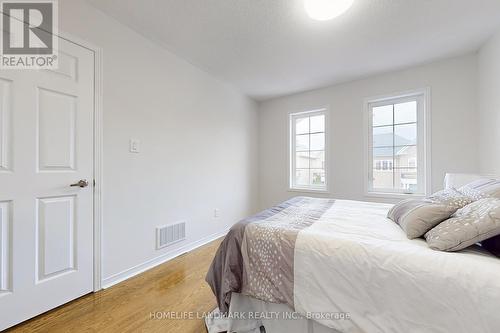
(355, 260)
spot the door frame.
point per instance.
(98, 152)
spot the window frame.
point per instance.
(423, 143)
(291, 151)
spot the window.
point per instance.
(308, 170)
(383, 165)
(396, 145)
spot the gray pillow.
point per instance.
(470, 225)
(417, 216)
(482, 188)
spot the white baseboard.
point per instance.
(128, 273)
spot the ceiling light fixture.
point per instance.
(323, 10)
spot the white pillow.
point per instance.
(482, 188)
(457, 180)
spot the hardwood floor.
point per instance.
(177, 286)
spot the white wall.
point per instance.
(454, 126)
(198, 143)
(489, 106)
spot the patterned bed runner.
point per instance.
(257, 256)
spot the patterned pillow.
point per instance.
(470, 225)
(492, 245)
(417, 216)
(482, 188)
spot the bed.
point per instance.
(323, 265)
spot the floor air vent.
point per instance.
(170, 234)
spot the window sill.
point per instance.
(308, 190)
(390, 195)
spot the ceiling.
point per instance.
(270, 48)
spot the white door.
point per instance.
(46, 225)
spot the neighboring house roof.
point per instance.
(385, 141)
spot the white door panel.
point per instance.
(5, 251)
(55, 236)
(56, 130)
(46, 226)
(5, 128)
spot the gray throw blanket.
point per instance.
(256, 257)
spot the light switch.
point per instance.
(135, 145)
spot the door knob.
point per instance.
(81, 183)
